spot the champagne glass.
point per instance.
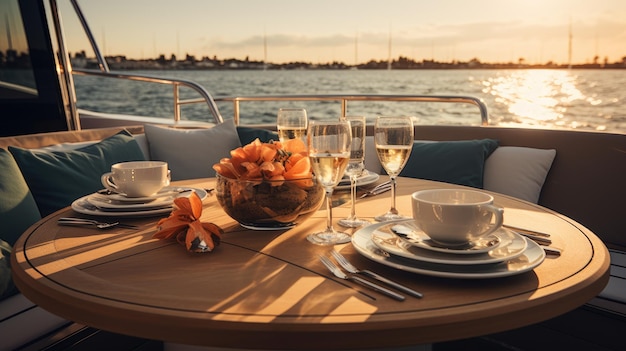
(393, 137)
(329, 150)
(355, 168)
(292, 123)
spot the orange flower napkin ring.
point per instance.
(184, 224)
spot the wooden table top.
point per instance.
(268, 289)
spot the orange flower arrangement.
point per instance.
(184, 224)
(269, 185)
(274, 161)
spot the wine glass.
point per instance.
(292, 123)
(329, 150)
(355, 168)
(393, 137)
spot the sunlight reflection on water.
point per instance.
(535, 95)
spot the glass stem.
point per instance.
(329, 210)
(353, 195)
(393, 195)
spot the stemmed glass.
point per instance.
(329, 151)
(393, 137)
(292, 123)
(355, 168)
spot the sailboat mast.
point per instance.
(264, 51)
(8, 33)
(569, 47)
(356, 49)
(389, 51)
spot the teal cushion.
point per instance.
(249, 134)
(457, 162)
(56, 178)
(18, 209)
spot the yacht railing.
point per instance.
(344, 99)
(176, 85)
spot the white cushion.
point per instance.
(191, 153)
(518, 171)
(370, 158)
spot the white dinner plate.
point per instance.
(527, 261)
(83, 206)
(367, 177)
(408, 231)
(511, 245)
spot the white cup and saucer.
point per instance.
(137, 179)
(457, 219)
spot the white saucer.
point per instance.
(413, 235)
(105, 202)
(82, 205)
(367, 177)
(532, 257)
(166, 191)
(511, 246)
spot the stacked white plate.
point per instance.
(119, 205)
(402, 245)
(367, 177)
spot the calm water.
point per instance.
(563, 99)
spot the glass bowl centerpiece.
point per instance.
(268, 185)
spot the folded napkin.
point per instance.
(184, 224)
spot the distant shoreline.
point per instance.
(191, 63)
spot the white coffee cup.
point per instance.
(137, 178)
(455, 217)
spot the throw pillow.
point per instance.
(18, 209)
(249, 134)
(56, 178)
(518, 171)
(191, 153)
(457, 162)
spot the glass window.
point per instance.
(16, 74)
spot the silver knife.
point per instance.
(391, 283)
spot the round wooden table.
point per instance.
(268, 289)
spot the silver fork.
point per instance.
(343, 262)
(340, 274)
(92, 222)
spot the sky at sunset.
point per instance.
(356, 31)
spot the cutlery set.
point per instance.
(540, 238)
(352, 276)
(378, 189)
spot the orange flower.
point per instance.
(275, 161)
(184, 224)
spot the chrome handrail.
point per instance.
(176, 84)
(344, 99)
